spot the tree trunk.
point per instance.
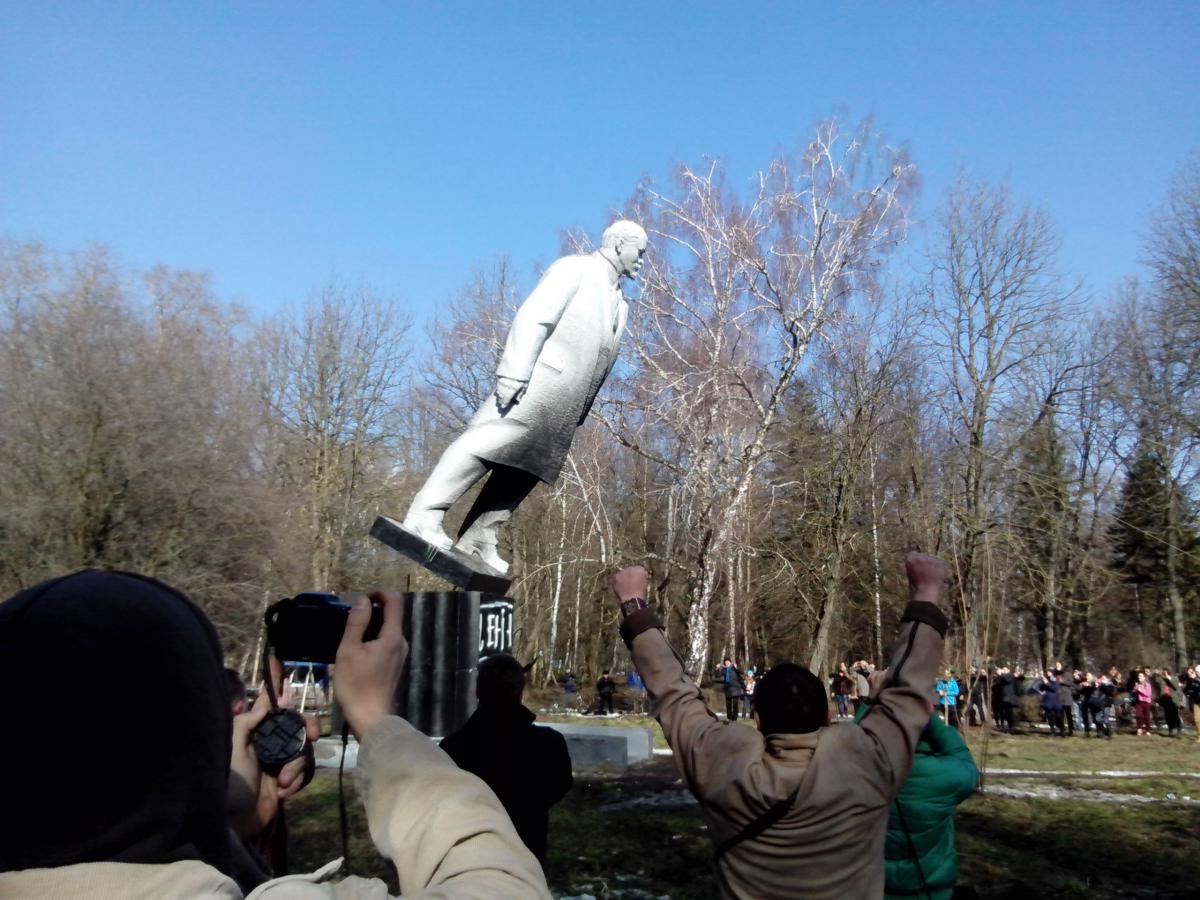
(558, 581)
(1174, 596)
(876, 569)
(731, 593)
(817, 659)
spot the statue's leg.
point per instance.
(505, 490)
(453, 476)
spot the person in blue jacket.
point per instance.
(947, 697)
(637, 691)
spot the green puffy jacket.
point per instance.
(943, 775)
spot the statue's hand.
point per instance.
(508, 391)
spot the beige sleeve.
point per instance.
(703, 744)
(896, 719)
(442, 827)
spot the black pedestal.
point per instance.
(448, 633)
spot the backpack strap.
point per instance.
(776, 812)
(912, 848)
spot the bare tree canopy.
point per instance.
(791, 414)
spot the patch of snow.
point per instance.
(659, 799)
(1101, 773)
(1050, 792)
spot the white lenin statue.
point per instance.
(561, 346)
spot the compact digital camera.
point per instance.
(309, 626)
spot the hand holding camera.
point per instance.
(368, 671)
(315, 627)
(258, 750)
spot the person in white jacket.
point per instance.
(130, 799)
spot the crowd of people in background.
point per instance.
(1145, 700)
(1066, 701)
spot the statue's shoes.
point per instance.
(427, 525)
(485, 552)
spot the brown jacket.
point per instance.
(830, 842)
(442, 827)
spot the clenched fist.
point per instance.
(629, 583)
(928, 578)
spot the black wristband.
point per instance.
(926, 614)
(636, 623)
(632, 605)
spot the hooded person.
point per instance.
(129, 793)
(137, 772)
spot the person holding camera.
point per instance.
(154, 787)
(796, 808)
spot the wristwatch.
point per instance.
(632, 605)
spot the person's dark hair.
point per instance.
(235, 686)
(789, 699)
(501, 679)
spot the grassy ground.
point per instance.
(638, 835)
(1038, 750)
(1064, 849)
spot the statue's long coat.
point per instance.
(564, 341)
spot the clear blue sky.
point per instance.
(278, 144)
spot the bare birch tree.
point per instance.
(734, 295)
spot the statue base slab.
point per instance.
(460, 569)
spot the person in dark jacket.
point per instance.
(842, 686)
(1191, 690)
(976, 704)
(526, 765)
(606, 688)
(1020, 688)
(1099, 701)
(1167, 694)
(999, 714)
(1052, 703)
(735, 688)
(1087, 689)
(1004, 700)
(1066, 698)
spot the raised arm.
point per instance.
(701, 742)
(442, 827)
(901, 710)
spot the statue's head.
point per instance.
(625, 243)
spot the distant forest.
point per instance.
(789, 416)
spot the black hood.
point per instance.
(118, 737)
